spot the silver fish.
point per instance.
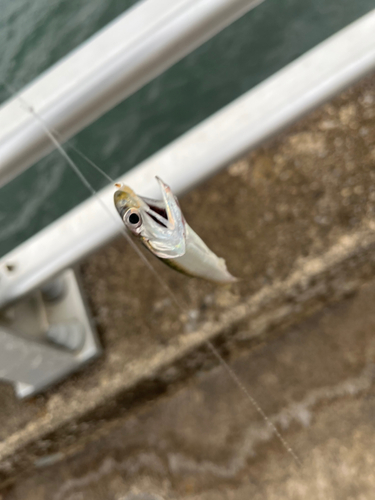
(161, 227)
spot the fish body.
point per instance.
(161, 227)
(199, 261)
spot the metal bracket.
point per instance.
(46, 336)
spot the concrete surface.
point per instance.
(156, 417)
(316, 382)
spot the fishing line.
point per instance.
(52, 136)
(90, 162)
(89, 186)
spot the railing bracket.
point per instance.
(46, 335)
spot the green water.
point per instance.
(35, 34)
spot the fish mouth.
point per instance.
(162, 225)
(165, 213)
(157, 210)
(125, 199)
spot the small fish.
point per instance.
(161, 227)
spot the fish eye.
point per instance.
(132, 218)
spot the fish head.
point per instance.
(159, 224)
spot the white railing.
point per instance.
(132, 50)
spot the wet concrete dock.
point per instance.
(157, 416)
